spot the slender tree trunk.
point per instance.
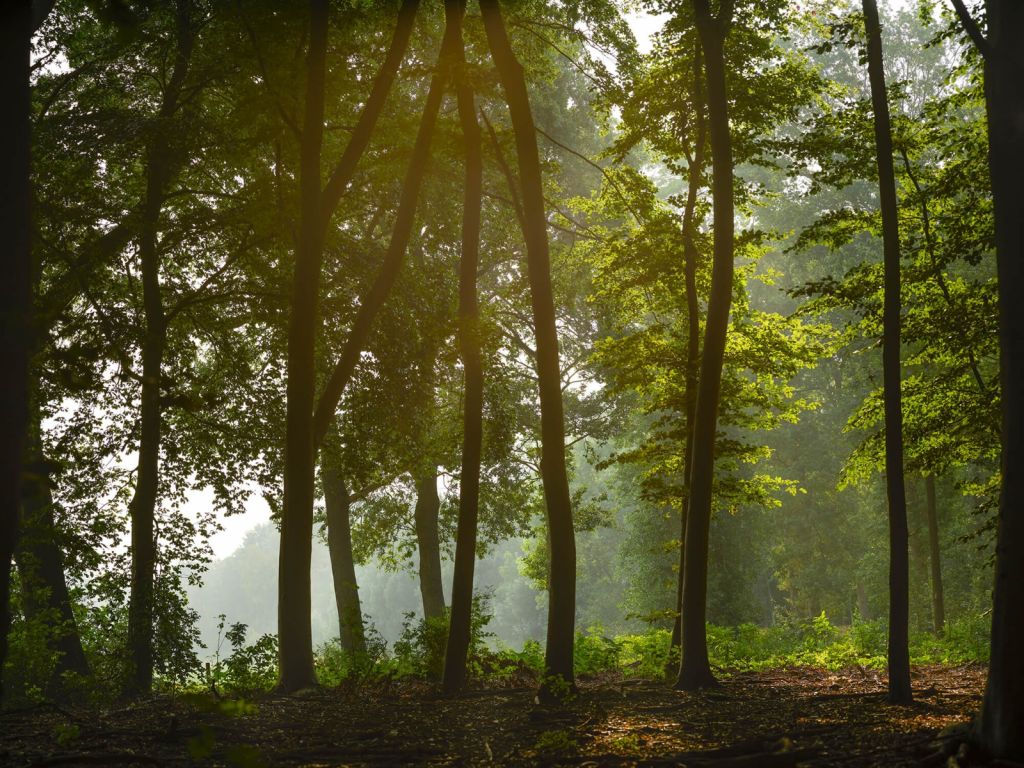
(457, 648)
(695, 668)
(899, 560)
(558, 660)
(343, 567)
(428, 508)
(935, 555)
(317, 207)
(16, 286)
(41, 567)
(295, 634)
(142, 509)
(694, 177)
(1002, 711)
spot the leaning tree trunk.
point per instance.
(428, 540)
(16, 286)
(695, 667)
(558, 661)
(457, 648)
(343, 567)
(899, 560)
(295, 650)
(934, 555)
(401, 233)
(690, 254)
(1002, 711)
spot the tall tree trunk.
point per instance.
(694, 177)
(343, 568)
(428, 508)
(317, 207)
(457, 648)
(899, 560)
(295, 633)
(695, 668)
(1002, 711)
(558, 661)
(934, 554)
(16, 286)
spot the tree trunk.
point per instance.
(294, 600)
(142, 508)
(16, 286)
(899, 561)
(41, 570)
(1002, 711)
(695, 668)
(343, 567)
(694, 177)
(935, 555)
(428, 508)
(558, 660)
(295, 634)
(457, 648)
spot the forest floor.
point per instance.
(785, 717)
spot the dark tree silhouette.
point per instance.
(457, 648)
(317, 208)
(899, 542)
(695, 668)
(558, 660)
(1002, 712)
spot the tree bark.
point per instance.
(899, 559)
(934, 555)
(16, 286)
(428, 508)
(295, 634)
(142, 508)
(457, 648)
(558, 660)
(343, 568)
(690, 254)
(317, 207)
(1002, 712)
(695, 668)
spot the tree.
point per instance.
(1003, 707)
(457, 647)
(899, 565)
(558, 659)
(695, 669)
(16, 291)
(302, 436)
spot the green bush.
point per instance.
(594, 652)
(250, 667)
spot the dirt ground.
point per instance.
(784, 717)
